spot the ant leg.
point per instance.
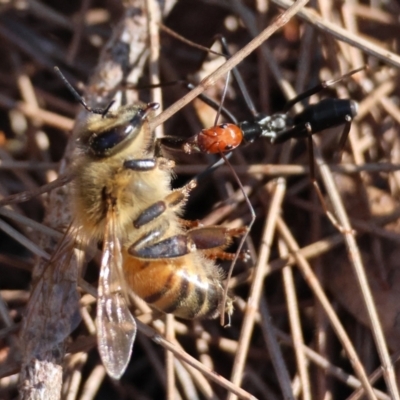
(343, 138)
(252, 109)
(214, 141)
(317, 188)
(321, 86)
(345, 76)
(244, 237)
(211, 168)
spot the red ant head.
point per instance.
(219, 139)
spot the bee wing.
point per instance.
(53, 308)
(116, 327)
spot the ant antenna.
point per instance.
(189, 42)
(223, 97)
(238, 77)
(102, 111)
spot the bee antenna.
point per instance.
(80, 99)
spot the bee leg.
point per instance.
(208, 237)
(172, 201)
(190, 224)
(173, 143)
(218, 254)
(148, 164)
(211, 240)
(149, 247)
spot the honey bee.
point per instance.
(122, 197)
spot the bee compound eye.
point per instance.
(103, 143)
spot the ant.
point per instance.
(276, 128)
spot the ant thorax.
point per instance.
(272, 124)
(267, 126)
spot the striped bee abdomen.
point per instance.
(176, 285)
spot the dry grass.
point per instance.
(316, 311)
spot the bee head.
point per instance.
(107, 134)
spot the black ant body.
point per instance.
(276, 128)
